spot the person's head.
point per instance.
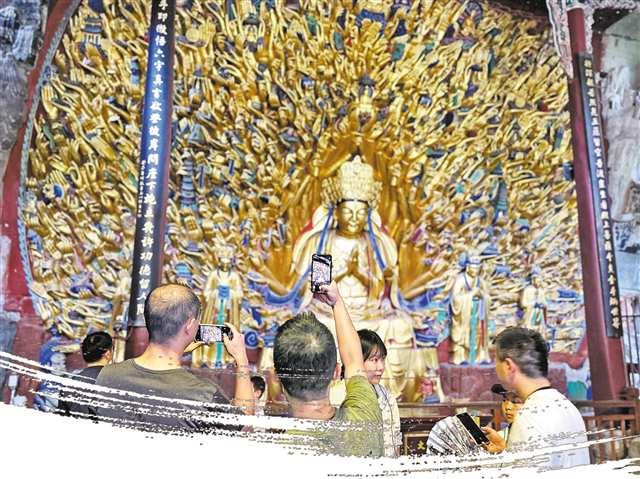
(172, 315)
(258, 386)
(521, 354)
(511, 404)
(305, 357)
(374, 352)
(96, 347)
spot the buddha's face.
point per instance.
(352, 217)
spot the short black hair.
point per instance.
(96, 345)
(167, 309)
(258, 384)
(305, 357)
(526, 348)
(370, 343)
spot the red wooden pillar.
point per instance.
(608, 375)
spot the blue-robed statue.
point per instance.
(54, 362)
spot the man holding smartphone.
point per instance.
(306, 362)
(172, 315)
(546, 418)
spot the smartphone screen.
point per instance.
(470, 425)
(320, 271)
(211, 333)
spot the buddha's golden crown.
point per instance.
(223, 251)
(354, 181)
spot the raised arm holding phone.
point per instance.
(243, 396)
(305, 360)
(348, 339)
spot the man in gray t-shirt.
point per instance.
(172, 318)
(175, 383)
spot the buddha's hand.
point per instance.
(394, 172)
(48, 95)
(328, 294)
(354, 260)
(388, 272)
(497, 443)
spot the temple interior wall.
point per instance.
(621, 48)
(621, 111)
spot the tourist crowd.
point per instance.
(366, 423)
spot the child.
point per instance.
(511, 403)
(258, 390)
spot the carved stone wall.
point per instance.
(621, 111)
(21, 24)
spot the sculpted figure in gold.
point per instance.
(533, 302)
(470, 302)
(119, 315)
(222, 298)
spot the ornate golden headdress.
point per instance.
(354, 181)
(223, 251)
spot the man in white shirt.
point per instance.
(546, 418)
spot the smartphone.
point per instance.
(470, 425)
(212, 333)
(320, 271)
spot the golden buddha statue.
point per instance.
(470, 303)
(222, 297)
(533, 302)
(365, 267)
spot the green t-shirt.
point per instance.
(356, 428)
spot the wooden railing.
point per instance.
(616, 420)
